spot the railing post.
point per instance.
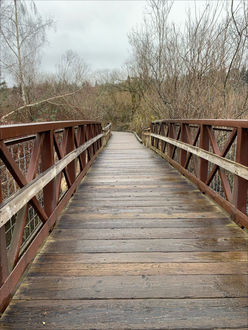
(203, 163)
(69, 148)
(91, 128)
(90, 151)
(94, 133)
(152, 131)
(47, 160)
(158, 130)
(99, 131)
(148, 138)
(4, 271)
(3, 256)
(240, 184)
(171, 135)
(81, 142)
(183, 153)
(103, 138)
(162, 132)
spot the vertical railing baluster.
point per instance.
(162, 132)
(88, 137)
(99, 132)
(96, 132)
(171, 135)
(47, 160)
(158, 130)
(80, 140)
(4, 271)
(183, 153)
(152, 131)
(93, 146)
(203, 163)
(3, 256)
(70, 147)
(93, 130)
(240, 184)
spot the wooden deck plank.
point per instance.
(71, 221)
(133, 287)
(142, 257)
(146, 215)
(139, 247)
(145, 233)
(128, 314)
(139, 269)
(146, 245)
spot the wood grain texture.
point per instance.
(127, 314)
(138, 269)
(71, 221)
(146, 245)
(142, 257)
(133, 287)
(145, 233)
(139, 247)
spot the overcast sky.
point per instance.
(97, 30)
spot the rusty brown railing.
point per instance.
(213, 154)
(41, 166)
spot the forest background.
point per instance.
(198, 70)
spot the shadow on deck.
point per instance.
(138, 247)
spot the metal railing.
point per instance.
(213, 154)
(41, 166)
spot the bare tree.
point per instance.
(239, 39)
(22, 32)
(195, 70)
(72, 69)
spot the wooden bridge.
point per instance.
(139, 246)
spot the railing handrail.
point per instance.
(107, 127)
(235, 123)
(227, 164)
(19, 130)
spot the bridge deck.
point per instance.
(138, 247)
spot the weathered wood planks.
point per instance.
(128, 314)
(139, 247)
(146, 245)
(133, 287)
(155, 268)
(144, 257)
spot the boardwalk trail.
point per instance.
(138, 247)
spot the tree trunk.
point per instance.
(20, 67)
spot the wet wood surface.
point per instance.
(139, 247)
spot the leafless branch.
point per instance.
(38, 103)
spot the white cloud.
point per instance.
(97, 30)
